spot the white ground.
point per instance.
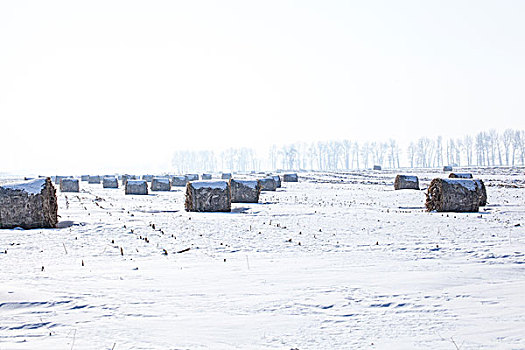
(336, 261)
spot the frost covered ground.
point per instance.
(336, 261)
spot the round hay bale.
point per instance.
(179, 181)
(208, 196)
(453, 195)
(110, 182)
(29, 204)
(409, 182)
(206, 176)
(84, 178)
(268, 184)
(147, 178)
(277, 179)
(192, 177)
(447, 168)
(290, 177)
(136, 187)
(94, 179)
(69, 185)
(160, 184)
(460, 176)
(226, 176)
(245, 191)
(377, 167)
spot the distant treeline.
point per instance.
(487, 148)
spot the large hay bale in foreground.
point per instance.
(268, 184)
(192, 177)
(209, 196)
(460, 176)
(406, 182)
(94, 179)
(179, 181)
(160, 184)
(447, 168)
(277, 179)
(69, 185)
(136, 187)
(226, 176)
(290, 177)
(206, 176)
(110, 182)
(29, 204)
(377, 167)
(482, 192)
(454, 195)
(245, 191)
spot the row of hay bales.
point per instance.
(218, 195)
(460, 192)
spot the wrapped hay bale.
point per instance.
(206, 176)
(179, 181)
(69, 185)
(147, 178)
(192, 177)
(482, 192)
(94, 179)
(447, 168)
(29, 204)
(460, 176)
(455, 195)
(245, 191)
(409, 182)
(226, 176)
(136, 187)
(160, 184)
(110, 182)
(277, 179)
(208, 196)
(84, 178)
(290, 177)
(268, 184)
(125, 179)
(377, 167)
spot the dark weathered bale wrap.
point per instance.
(94, 179)
(30, 204)
(408, 182)
(482, 192)
(277, 179)
(209, 196)
(377, 167)
(455, 195)
(84, 178)
(110, 182)
(179, 181)
(460, 176)
(226, 176)
(268, 184)
(206, 176)
(447, 168)
(245, 191)
(160, 184)
(69, 185)
(192, 177)
(290, 177)
(136, 187)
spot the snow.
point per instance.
(409, 178)
(136, 182)
(212, 184)
(248, 183)
(162, 180)
(372, 267)
(31, 187)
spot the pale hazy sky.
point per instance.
(116, 85)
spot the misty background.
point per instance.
(114, 86)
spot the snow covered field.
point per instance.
(336, 261)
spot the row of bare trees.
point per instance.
(486, 148)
